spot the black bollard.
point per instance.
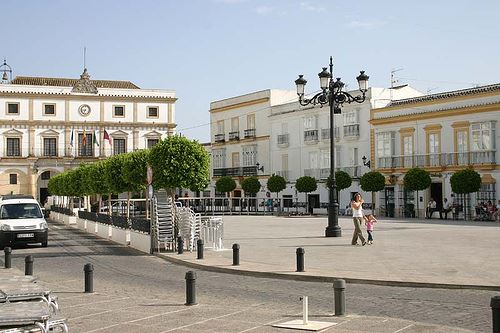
(28, 265)
(180, 245)
(191, 288)
(236, 254)
(300, 259)
(8, 260)
(339, 297)
(495, 311)
(199, 248)
(88, 269)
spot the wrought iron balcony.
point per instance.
(249, 133)
(325, 133)
(324, 173)
(443, 160)
(284, 173)
(351, 131)
(283, 140)
(233, 136)
(311, 136)
(220, 138)
(236, 172)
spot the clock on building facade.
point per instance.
(84, 110)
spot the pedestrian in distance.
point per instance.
(431, 208)
(446, 209)
(357, 217)
(370, 220)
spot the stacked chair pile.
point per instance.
(25, 306)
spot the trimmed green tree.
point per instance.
(372, 181)
(252, 186)
(276, 184)
(464, 182)
(306, 184)
(225, 184)
(178, 162)
(134, 170)
(417, 179)
(342, 180)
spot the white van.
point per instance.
(21, 221)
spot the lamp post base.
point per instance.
(334, 231)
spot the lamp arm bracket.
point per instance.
(320, 98)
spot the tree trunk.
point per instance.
(109, 204)
(128, 205)
(373, 203)
(418, 212)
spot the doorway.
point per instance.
(44, 193)
(437, 194)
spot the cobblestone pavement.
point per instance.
(139, 293)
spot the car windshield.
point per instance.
(20, 211)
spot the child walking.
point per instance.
(370, 220)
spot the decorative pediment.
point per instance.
(84, 85)
(12, 132)
(153, 135)
(49, 132)
(117, 134)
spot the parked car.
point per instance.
(21, 221)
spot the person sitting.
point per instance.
(431, 208)
(446, 209)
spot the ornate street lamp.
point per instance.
(331, 93)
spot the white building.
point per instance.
(441, 133)
(49, 125)
(300, 143)
(270, 128)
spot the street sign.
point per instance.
(149, 174)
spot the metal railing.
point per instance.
(310, 135)
(237, 172)
(220, 138)
(438, 160)
(324, 173)
(283, 139)
(351, 130)
(249, 133)
(284, 173)
(234, 135)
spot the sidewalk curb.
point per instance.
(315, 278)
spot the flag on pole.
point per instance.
(107, 137)
(71, 143)
(95, 139)
(84, 138)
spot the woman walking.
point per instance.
(357, 217)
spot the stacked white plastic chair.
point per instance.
(189, 224)
(163, 219)
(212, 232)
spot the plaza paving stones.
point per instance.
(414, 252)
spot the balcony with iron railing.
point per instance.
(441, 160)
(234, 136)
(325, 133)
(236, 172)
(249, 133)
(283, 140)
(311, 136)
(351, 131)
(284, 173)
(219, 138)
(324, 173)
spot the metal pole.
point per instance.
(199, 248)
(339, 297)
(305, 310)
(28, 265)
(495, 311)
(8, 260)
(191, 288)
(180, 245)
(333, 229)
(300, 259)
(88, 270)
(236, 254)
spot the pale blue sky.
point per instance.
(214, 49)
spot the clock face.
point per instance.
(84, 110)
